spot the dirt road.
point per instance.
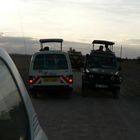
(96, 117)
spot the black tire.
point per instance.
(116, 93)
(33, 94)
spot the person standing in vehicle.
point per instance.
(107, 49)
(100, 48)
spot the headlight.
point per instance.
(95, 70)
(87, 70)
(117, 73)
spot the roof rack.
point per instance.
(55, 40)
(103, 42)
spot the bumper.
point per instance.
(51, 88)
(107, 85)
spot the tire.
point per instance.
(116, 93)
(33, 94)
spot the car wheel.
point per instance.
(33, 94)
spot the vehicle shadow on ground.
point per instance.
(53, 96)
(93, 93)
(98, 94)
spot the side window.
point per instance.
(39, 62)
(13, 118)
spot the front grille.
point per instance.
(100, 78)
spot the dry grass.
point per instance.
(131, 77)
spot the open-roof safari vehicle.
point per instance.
(76, 59)
(50, 70)
(101, 69)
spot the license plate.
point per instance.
(50, 79)
(101, 86)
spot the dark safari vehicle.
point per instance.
(101, 69)
(75, 58)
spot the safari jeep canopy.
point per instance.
(53, 40)
(103, 42)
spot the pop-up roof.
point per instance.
(51, 40)
(103, 42)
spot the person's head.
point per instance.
(101, 48)
(46, 48)
(106, 46)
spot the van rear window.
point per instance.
(50, 62)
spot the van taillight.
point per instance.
(30, 80)
(70, 79)
(34, 80)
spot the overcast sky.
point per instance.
(72, 20)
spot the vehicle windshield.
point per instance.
(102, 61)
(50, 62)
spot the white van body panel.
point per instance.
(36, 131)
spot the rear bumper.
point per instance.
(107, 85)
(51, 88)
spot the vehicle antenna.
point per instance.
(121, 52)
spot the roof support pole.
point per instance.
(61, 46)
(41, 45)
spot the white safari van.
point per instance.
(50, 71)
(18, 120)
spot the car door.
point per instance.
(14, 123)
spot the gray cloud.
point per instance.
(27, 45)
(133, 41)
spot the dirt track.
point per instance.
(91, 118)
(96, 117)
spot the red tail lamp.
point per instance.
(70, 80)
(30, 81)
